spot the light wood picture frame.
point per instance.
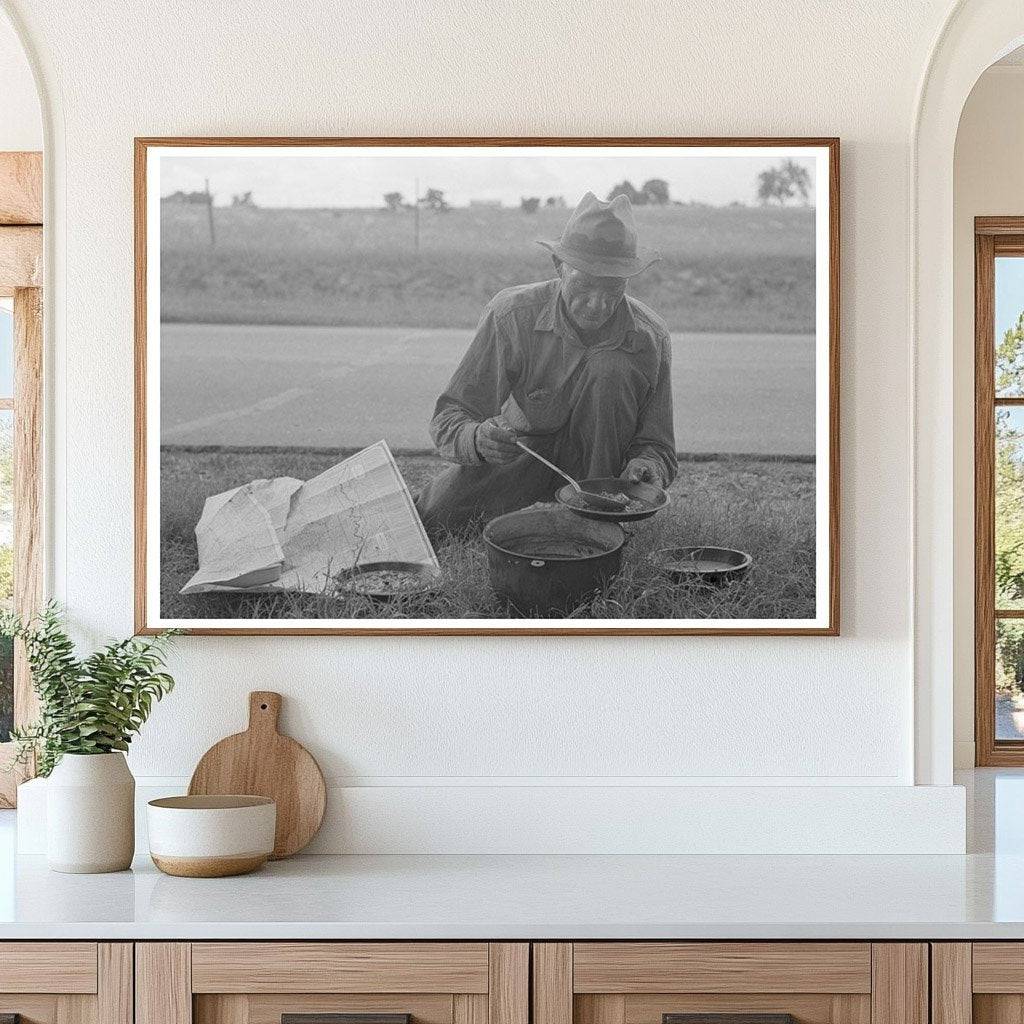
(189, 239)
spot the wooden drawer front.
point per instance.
(365, 967)
(712, 967)
(48, 967)
(998, 967)
(257, 982)
(977, 983)
(107, 969)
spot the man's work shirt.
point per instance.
(525, 360)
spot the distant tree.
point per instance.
(1009, 467)
(656, 191)
(1010, 361)
(782, 183)
(6, 579)
(244, 199)
(1009, 538)
(799, 179)
(625, 188)
(6, 676)
(772, 187)
(555, 202)
(529, 204)
(1010, 657)
(393, 201)
(433, 199)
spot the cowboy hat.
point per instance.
(600, 239)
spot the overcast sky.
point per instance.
(1009, 293)
(361, 176)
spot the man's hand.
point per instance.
(495, 444)
(643, 471)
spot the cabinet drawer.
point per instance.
(634, 967)
(340, 967)
(980, 982)
(998, 967)
(736, 982)
(48, 967)
(66, 982)
(261, 982)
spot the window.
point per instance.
(20, 503)
(6, 510)
(21, 374)
(999, 490)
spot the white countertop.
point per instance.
(532, 897)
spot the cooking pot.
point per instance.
(544, 561)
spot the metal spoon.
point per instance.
(592, 500)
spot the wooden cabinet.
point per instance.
(647, 982)
(979, 982)
(494, 983)
(66, 982)
(260, 982)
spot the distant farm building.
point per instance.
(200, 198)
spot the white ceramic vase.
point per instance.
(90, 814)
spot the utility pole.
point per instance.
(209, 213)
(416, 213)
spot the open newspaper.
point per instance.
(284, 534)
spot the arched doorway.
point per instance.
(976, 33)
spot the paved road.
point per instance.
(1009, 721)
(349, 386)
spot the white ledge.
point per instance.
(600, 819)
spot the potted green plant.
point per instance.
(89, 710)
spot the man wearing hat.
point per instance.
(577, 369)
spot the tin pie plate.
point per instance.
(388, 580)
(702, 564)
(652, 498)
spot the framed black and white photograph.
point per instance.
(516, 386)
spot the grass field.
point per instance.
(725, 269)
(764, 507)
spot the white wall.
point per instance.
(446, 712)
(21, 125)
(988, 181)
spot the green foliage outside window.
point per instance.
(1009, 466)
(1009, 510)
(6, 688)
(6, 572)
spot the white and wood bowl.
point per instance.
(211, 836)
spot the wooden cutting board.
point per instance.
(262, 762)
